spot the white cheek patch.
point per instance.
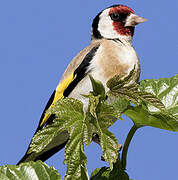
(106, 29)
(105, 26)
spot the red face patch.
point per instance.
(119, 26)
(125, 31)
(121, 10)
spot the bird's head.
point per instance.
(115, 22)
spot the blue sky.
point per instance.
(37, 41)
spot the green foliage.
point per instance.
(149, 114)
(165, 89)
(29, 171)
(150, 103)
(69, 116)
(106, 173)
(98, 88)
(104, 115)
(67, 111)
(127, 87)
(74, 151)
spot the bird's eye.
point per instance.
(114, 16)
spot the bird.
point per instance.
(110, 53)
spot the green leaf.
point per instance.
(74, 153)
(89, 129)
(107, 114)
(108, 141)
(72, 111)
(106, 173)
(44, 137)
(98, 88)
(118, 172)
(166, 89)
(132, 94)
(29, 171)
(109, 146)
(119, 81)
(93, 104)
(142, 117)
(69, 117)
(103, 116)
(120, 104)
(67, 111)
(101, 173)
(121, 86)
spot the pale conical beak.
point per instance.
(133, 20)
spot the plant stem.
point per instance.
(126, 145)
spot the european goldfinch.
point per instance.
(110, 53)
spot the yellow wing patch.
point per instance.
(59, 94)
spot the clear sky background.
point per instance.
(38, 39)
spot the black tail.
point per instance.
(43, 156)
